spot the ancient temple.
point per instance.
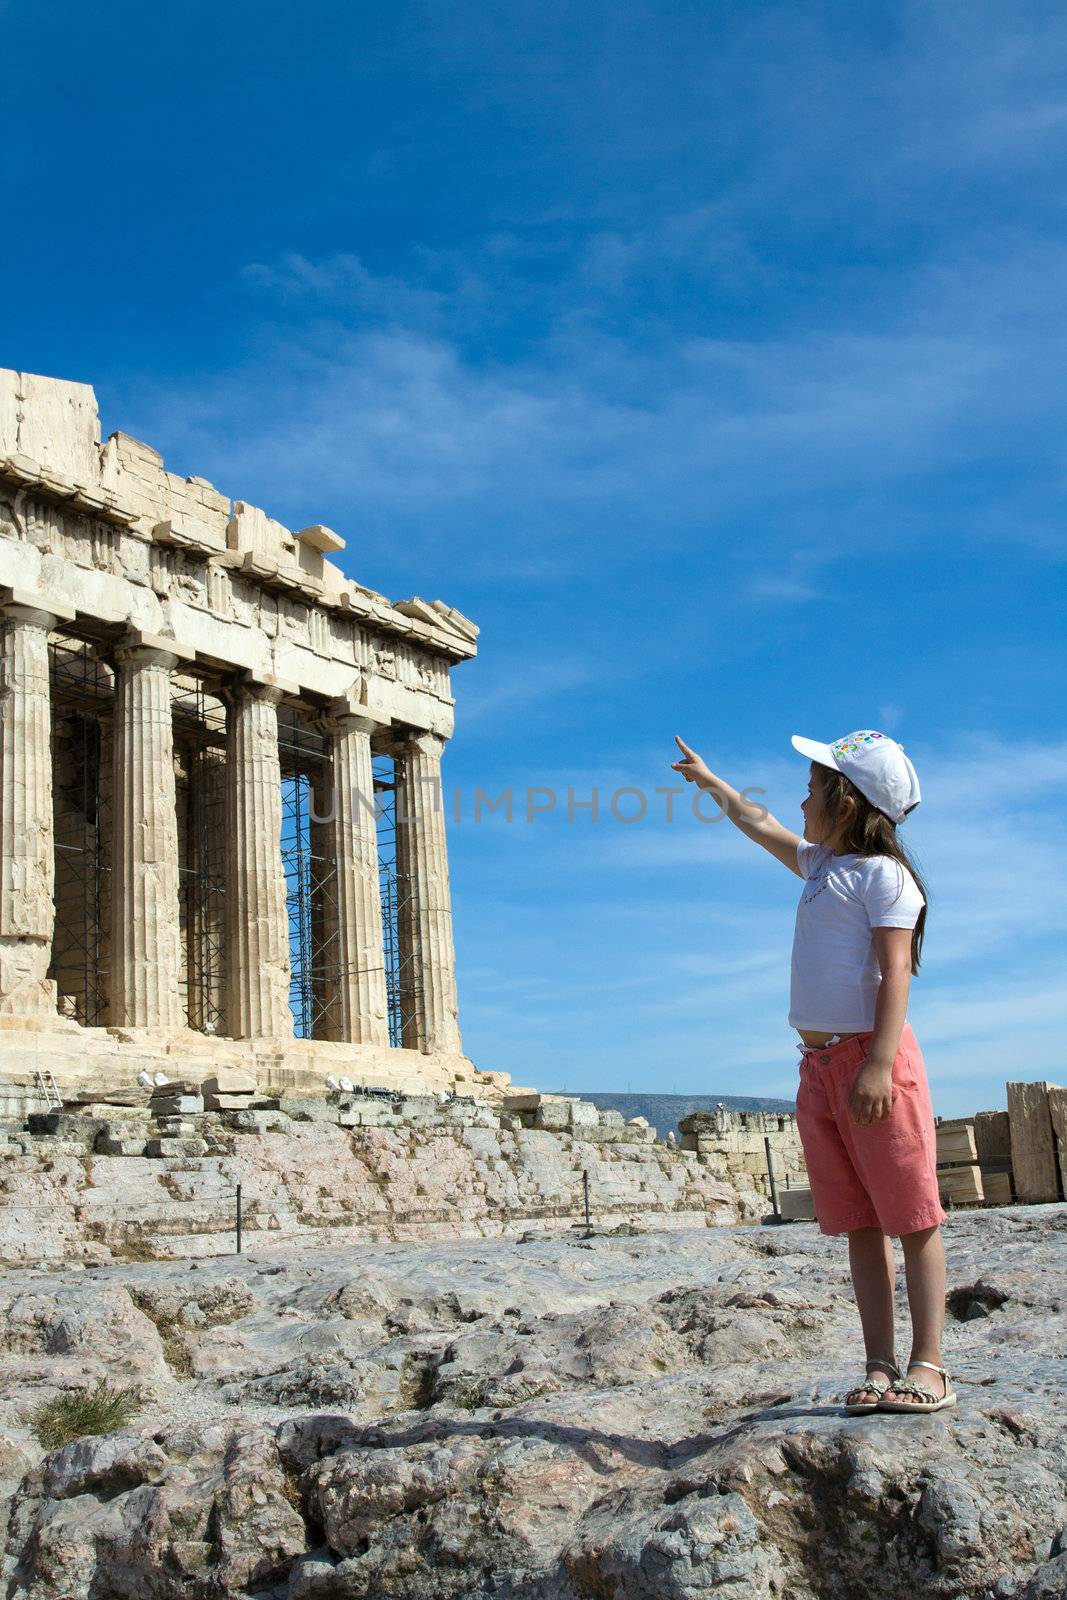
(222, 836)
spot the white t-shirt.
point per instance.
(835, 972)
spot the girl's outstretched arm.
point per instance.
(754, 820)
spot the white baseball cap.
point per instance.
(875, 763)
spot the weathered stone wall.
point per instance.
(100, 1182)
(732, 1146)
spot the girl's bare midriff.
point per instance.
(816, 1039)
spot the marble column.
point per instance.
(426, 948)
(146, 959)
(27, 843)
(257, 922)
(356, 1006)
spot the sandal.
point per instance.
(872, 1386)
(921, 1399)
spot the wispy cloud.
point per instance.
(516, 685)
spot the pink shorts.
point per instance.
(873, 1175)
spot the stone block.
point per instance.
(1033, 1143)
(796, 1205)
(553, 1116)
(584, 1114)
(228, 1102)
(110, 1145)
(177, 1105)
(367, 1116)
(110, 1111)
(72, 1129)
(484, 1141)
(229, 1080)
(992, 1136)
(611, 1119)
(956, 1144)
(702, 1122)
(527, 1100)
(961, 1185)
(255, 1121)
(300, 1109)
(416, 1105)
(176, 1128)
(1057, 1104)
(178, 1149)
(997, 1188)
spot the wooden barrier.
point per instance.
(997, 1157)
(1034, 1162)
(959, 1177)
(1057, 1105)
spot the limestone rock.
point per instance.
(1049, 1582)
(229, 1080)
(640, 1416)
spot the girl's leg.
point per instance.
(925, 1271)
(870, 1256)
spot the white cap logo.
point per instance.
(875, 763)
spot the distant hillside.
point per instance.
(664, 1111)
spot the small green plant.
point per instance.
(83, 1411)
(470, 1399)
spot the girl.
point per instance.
(863, 1105)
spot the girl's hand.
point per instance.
(692, 767)
(871, 1099)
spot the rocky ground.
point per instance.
(626, 1417)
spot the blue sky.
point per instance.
(709, 355)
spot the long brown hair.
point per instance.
(869, 833)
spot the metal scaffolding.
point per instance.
(310, 876)
(402, 979)
(82, 690)
(200, 749)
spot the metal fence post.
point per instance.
(770, 1173)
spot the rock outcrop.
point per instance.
(103, 1183)
(641, 1417)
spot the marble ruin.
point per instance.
(197, 711)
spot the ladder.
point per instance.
(45, 1084)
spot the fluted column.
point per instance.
(27, 843)
(356, 1006)
(257, 923)
(426, 948)
(145, 930)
